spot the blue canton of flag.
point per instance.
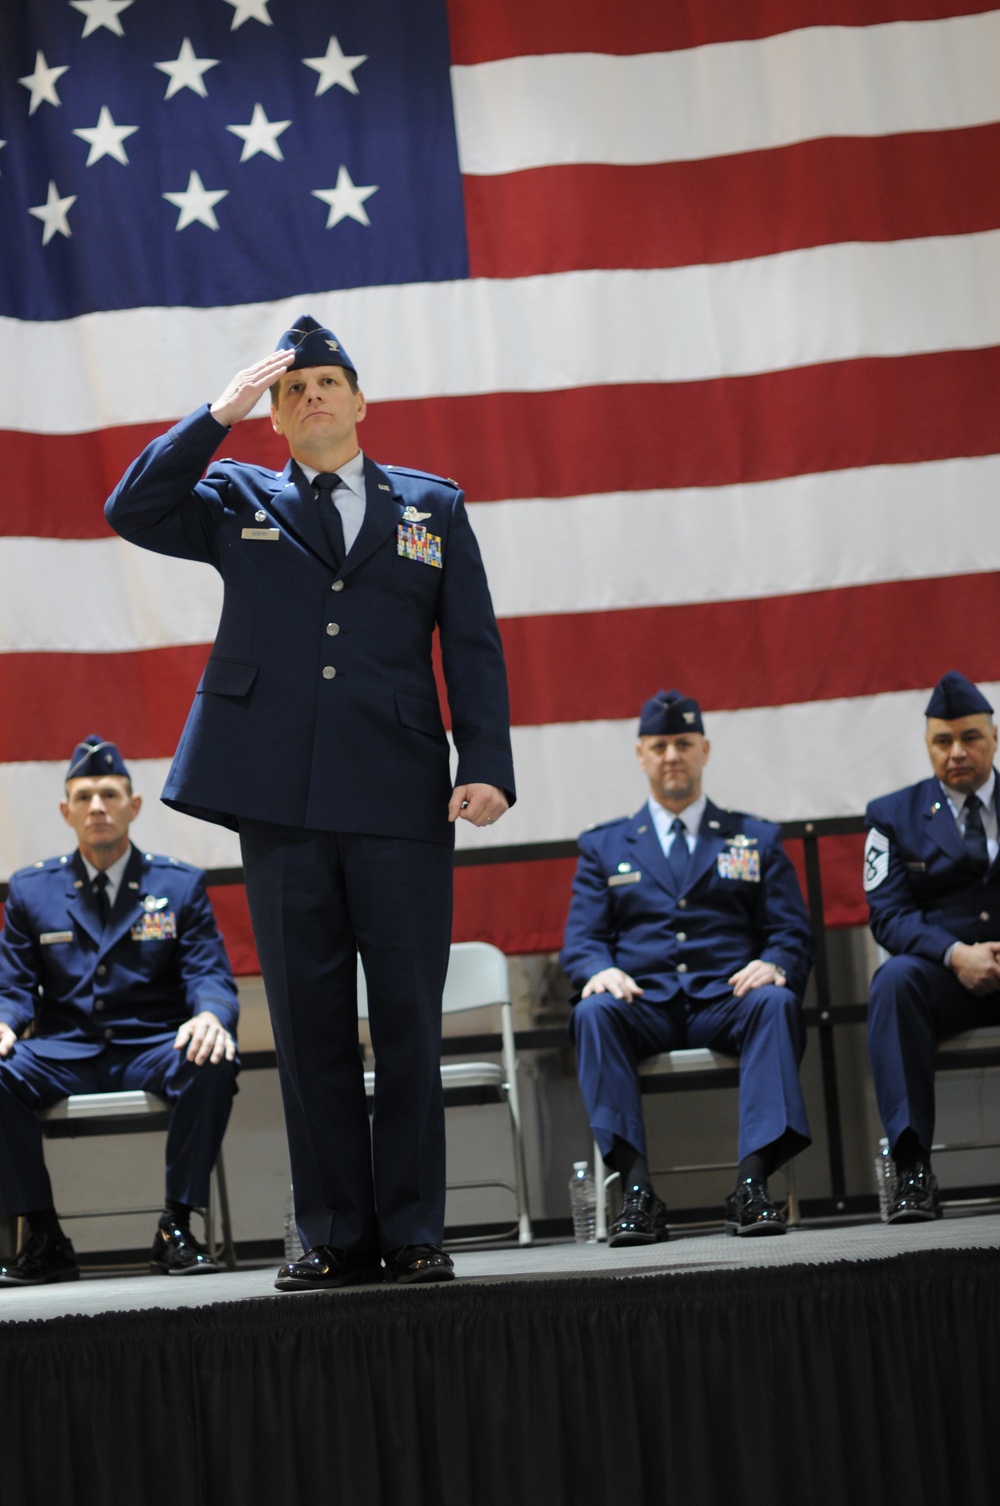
(211, 152)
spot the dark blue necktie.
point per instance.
(678, 857)
(975, 833)
(101, 897)
(333, 524)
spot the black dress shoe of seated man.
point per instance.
(176, 1252)
(749, 1209)
(325, 1266)
(44, 1258)
(914, 1197)
(412, 1263)
(642, 1219)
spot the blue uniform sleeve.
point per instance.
(473, 661)
(786, 934)
(205, 973)
(162, 503)
(20, 969)
(590, 937)
(895, 913)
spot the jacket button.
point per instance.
(98, 1006)
(338, 585)
(329, 672)
(682, 904)
(682, 936)
(332, 629)
(682, 967)
(100, 970)
(984, 915)
(109, 1035)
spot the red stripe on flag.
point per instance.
(482, 33)
(885, 188)
(776, 651)
(139, 701)
(580, 667)
(879, 411)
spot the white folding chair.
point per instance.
(132, 1112)
(661, 1074)
(478, 979)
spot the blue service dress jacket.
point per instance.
(924, 892)
(158, 961)
(321, 679)
(740, 899)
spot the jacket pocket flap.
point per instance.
(421, 714)
(228, 677)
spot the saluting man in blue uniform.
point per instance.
(687, 928)
(933, 886)
(317, 734)
(113, 956)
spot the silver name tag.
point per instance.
(614, 879)
(49, 938)
(260, 533)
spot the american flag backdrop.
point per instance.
(698, 300)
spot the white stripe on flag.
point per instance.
(730, 97)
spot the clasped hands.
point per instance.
(977, 966)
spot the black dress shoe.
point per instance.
(914, 1197)
(419, 1263)
(642, 1219)
(749, 1209)
(324, 1267)
(176, 1252)
(45, 1257)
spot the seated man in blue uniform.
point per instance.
(933, 887)
(687, 928)
(113, 959)
(317, 733)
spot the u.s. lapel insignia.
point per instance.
(383, 488)
(412, 516)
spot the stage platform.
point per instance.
(841, 1364)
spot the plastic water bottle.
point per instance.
(885, 1174)
(293, 1244)
(583, 1204)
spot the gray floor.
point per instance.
(810, 1245)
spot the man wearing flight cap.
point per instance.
(933, 887)
(687, 928)
(113, 957)
(317, 734)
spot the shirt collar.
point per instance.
(986, 793)
(691, 816)
(351, 473)
(115, 873)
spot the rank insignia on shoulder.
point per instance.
(413, 542)
(412, 516)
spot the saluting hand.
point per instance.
(248, 387)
